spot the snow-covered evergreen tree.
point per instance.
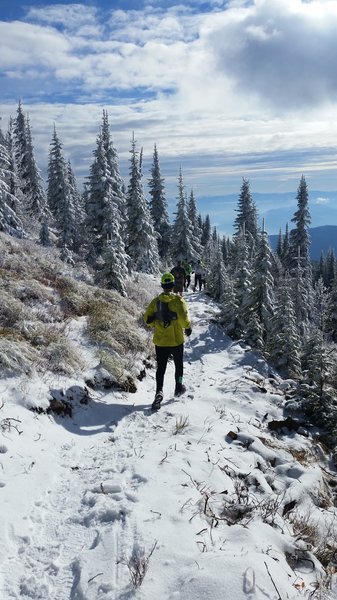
(158, 207)
(181, 246)
(284, 343)
(115, 268)
(196, 231)
(242, 271)
(301, 291)
(279, 247)
(9, 220)
(29, 178)
(79, 236)
(331, 318)
(230, 310)
(105, 201)
(246, 219)
(286, 255)
(44, 233)
(142, 244)
(216, 278)
(262, 289)
(299, 236)
(205, 231)
(59, 194)
(330, 268)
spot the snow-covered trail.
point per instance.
(124, 483)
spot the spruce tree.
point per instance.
(158, 207)
(29, 178)
(230, 310)
(330, 268)
(216, 270)
(181, 246)
(262, 290)
(106, 209)
(9, 220)
(44, 233)
(299, 236)
(196, 231)
(242, 271)
(142, 242)
(246, 219)
(284, 344)
(59, 194)
(36, 197)
(205, 231)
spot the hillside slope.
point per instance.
(200, 500)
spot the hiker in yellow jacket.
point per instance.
(168, 315)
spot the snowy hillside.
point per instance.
(203, 499)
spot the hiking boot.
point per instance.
(180, 389)
(157, 400)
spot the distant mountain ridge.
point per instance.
(322, 239)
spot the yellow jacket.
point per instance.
(171, 334)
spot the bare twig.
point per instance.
(273, 582)
(94, 577)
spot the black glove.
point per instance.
(188, 331)
(150, 319)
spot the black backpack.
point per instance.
(164, 314)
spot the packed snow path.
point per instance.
(119, 502)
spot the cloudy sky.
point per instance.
(226, 88)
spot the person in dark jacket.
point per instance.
(179, 275)
(167, 314)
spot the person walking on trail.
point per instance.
(198, 270)
(188, 272)
(179, 275)
(168, 315)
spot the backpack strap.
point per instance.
(164, 314)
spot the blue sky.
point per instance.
(226, 89)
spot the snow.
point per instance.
(188, 503)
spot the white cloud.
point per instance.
(248, 87)
(321, 200)
(70, 16)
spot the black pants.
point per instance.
(162, 355)
(197, 281)
(187, 281)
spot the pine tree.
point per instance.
(299, 236)
(76, 201)
(246, 219)
(262, 290)
(302, 297)
(230, 310)
(158, 208)
(115, 269)
(106, 205)
(216, 271)
(242, 271)
(45, 234)
(29, 178)
(331, 268)
(36, 197)
(286, 255)
(59, 194)
(205, 231)
(196, 231)
(331, 319)
(142, 242)
(279, 248)
(284, 344)
(181, 231)
(9, 220)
